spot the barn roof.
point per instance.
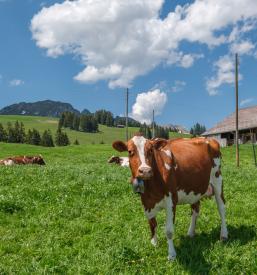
(247, 119)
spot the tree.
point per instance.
(197, 129)
(76, 142)
(61, 138)
(35, 137)
(47, 139)
(11, 135)
(75, 123)
(3, 134)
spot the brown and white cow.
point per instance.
(122, 161)
(23, 160)
(181, 171)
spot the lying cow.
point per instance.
(22, 160)
(122, 161)
(167, 173)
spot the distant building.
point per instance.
(224, 131)
(120, 126)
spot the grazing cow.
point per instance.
(122, 161)
(180, 171)
(22, 160)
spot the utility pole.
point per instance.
(153, 126)
(127, 94)
(236, 91)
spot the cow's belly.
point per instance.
(192, 197)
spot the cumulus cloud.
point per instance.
(246, 101)
(242, 47)
(118, 40)
(224, 68)
(16, 82)
(146, 102)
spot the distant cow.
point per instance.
(122, 161)
(180, 171)
(22, 160)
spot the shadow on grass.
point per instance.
(190, 252)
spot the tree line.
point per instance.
(89, 122)
(17, 134)
(197, 129)
(159, 131)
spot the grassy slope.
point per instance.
(106, 134)
(78, 215)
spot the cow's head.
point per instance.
(38, 160)
(141, 155)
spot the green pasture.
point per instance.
(105, 134)
(78, 215)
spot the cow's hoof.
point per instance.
(191, 235)
(154, 242)
(172, 258)
(223, 238)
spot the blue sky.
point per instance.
(177, 59)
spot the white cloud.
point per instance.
(246, 101)
(225, 74)
(118, 40)
(16, 82)
(146, 102)
(242, 47)
(178, 86)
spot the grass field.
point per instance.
(78, 215)
(105, 135)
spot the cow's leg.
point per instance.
(170, 210)
(218, 192)
(195, 213)
(153, 227)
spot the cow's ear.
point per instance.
(159, 143)
(120, 146)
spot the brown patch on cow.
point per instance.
(195, 207)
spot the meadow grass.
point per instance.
(78, 215)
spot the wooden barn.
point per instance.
(224, 131)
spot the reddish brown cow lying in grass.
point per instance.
(167, 173)
(22, 160)
(122, 161)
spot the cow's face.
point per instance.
(141, 155)
(38, 160)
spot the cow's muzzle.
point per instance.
(145, 173)
(138, 186)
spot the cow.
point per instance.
(22, 160)
(167, 173)
(122, 161)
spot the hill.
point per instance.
(47, 108)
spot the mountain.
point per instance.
(85, 112)
(40, 108)
(177, 128)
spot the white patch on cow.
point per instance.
(217, 186)
(170, 227)
(124, 161)
(191, 229)
(139, 142)
(190, 198)
(165, 203)
(167, 152)
(8, 162)
(158, 207)
(167, 166)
